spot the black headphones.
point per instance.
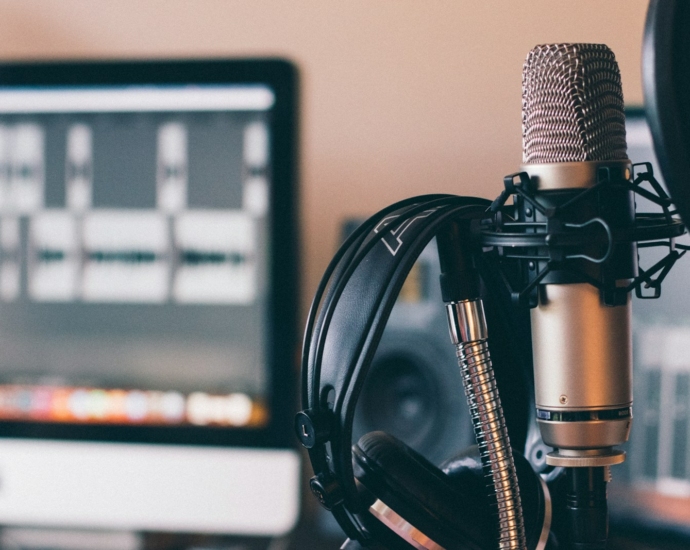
(382, 493)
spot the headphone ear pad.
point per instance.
(423, 495)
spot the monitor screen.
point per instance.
(147, 260)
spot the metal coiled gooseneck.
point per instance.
(469, 334)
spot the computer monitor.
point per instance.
(148, 295)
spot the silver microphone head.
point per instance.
(572, 105)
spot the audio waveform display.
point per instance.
(135, 255)
(196, 257)
(124, 256)
(48, 255)
(192, 257)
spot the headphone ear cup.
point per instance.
(423, 495)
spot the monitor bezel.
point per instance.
(280, 76)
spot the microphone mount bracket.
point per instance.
(582, 235)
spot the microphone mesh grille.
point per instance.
(572, 105)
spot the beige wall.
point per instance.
(400, 97)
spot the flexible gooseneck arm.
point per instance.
(460, 286)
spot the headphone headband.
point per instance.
(360, 286)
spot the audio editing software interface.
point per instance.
(133, 255)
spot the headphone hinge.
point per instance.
(313, 427)
(327, 491)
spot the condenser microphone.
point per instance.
(573, 126)
(573, 136)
